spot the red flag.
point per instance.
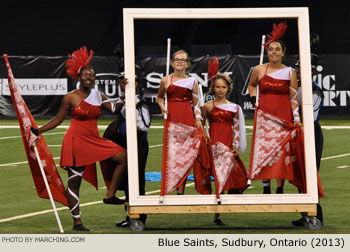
(26, 121)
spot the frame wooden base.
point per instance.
(310, 209)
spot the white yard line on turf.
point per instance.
(45, 134)
(338, 156)
(19, 163)
(64, 208)
(157, 145)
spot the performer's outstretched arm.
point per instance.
(161, 94)
(61, 115)
(252, 85)
(204, 113)
(115, 107)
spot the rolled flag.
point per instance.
(26, 121)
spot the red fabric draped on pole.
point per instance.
(182, 145)
(26, 121)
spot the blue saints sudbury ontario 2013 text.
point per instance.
(232, 242)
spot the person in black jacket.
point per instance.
(116, 132)
(317, 98)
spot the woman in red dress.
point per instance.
(82, 146)
(182, 103)
(226, 123)
(277, 98)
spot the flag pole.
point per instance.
(200, 90)
(48, 189)
(249, 182)
(167, 70)
(260, 62)
(167, 73)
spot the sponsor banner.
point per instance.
(37, 86)
(35, 69)
(333, 76)
(45, 81)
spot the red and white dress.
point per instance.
(82, 141)
(274, 94)
(228, 170)
(181, 139)
(179, 99)
(277, 144)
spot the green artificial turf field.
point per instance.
(21, 210)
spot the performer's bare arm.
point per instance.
(118, 108)
(106, 105)
(204, 113)
(161, 94)
(69, 100)
(254, 80)
(114, 107)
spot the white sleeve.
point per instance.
(196, 107)
(242, 133)
(139, 122)
(317, 100)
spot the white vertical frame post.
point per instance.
(308, 116)
(130, 105)
(302, 15)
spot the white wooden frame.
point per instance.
(302, 16)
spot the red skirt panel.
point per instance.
(181, 112)
(83, 142)
(222, 132)
(277, 105)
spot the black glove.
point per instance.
(35, 131)
(253, 100)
